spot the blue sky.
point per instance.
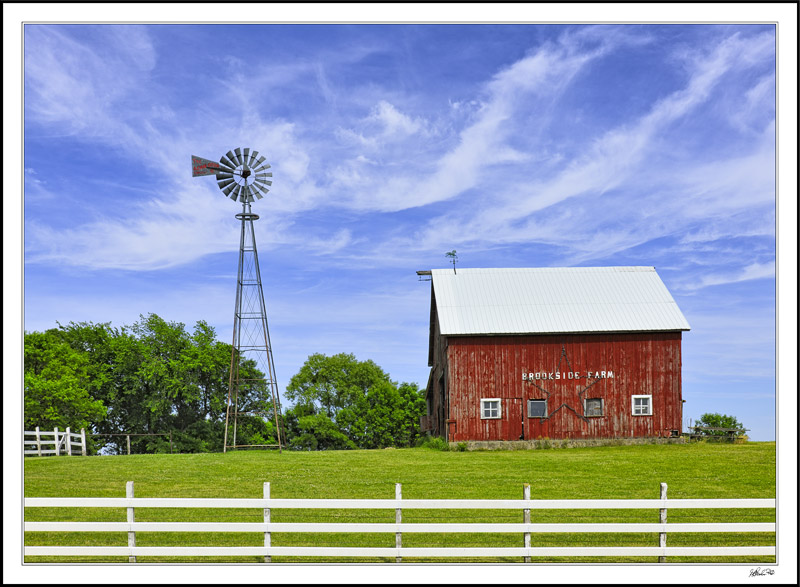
(518, 145)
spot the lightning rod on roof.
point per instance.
(453, 258)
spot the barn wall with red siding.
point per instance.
(564, 370)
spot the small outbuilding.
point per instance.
(557, 352)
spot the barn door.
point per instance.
(516, 419)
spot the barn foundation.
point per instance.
(550, 443)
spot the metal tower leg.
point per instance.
(251, 342)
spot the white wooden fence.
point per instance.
(398, 528)
(62, 442)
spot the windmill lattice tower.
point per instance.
(241, 174)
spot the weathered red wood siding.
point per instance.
(478, 367)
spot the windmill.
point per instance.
(242, 174)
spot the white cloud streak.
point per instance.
(625, 160)
(749, 272)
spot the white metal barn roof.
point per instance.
(554, 300)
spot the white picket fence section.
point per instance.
(525, 528)
(62, 442)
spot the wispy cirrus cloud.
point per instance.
(484, 142)
(387, 160)
(73, 87)
(749, 272)
(384, 124)
(627, 186)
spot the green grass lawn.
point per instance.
(691, 471)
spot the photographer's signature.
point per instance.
(759, 572)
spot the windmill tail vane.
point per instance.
(202, 166)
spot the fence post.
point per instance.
(38, 442)
(55, 435)
(526, 516)
(68, 438)
(267, 535)
(398, 518)
(128, 436)
(662, 537)
(131, 518)
(83, 442)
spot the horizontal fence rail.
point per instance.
(525, 528)
(383, 504)
(379, 527)
(357, 551)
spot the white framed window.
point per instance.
(490, 408)
(642, 405)
(537, 408)
(593, 406)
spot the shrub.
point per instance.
(435, 443)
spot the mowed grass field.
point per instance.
(695, 470)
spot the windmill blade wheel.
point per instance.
(242, 175)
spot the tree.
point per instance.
(208, 362)
(412, 404)
(319, 432)
(124, 396)
(184, 382)
(166, 392)
(331, 383)
(58, 384)
(355, 398)
(153, 377)
(718, 421)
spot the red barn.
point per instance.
(561, 352)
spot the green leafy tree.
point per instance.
(114, 356)
(291, 420)
(199, 436)
(411, 407)
(207, 363)
(165, 390)
(319, 432)
(153, 377)
(124, 398)
(93, 341)
(58, 385)
(332, 383)
(386, 415)
(357, 398)
(718, 421)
